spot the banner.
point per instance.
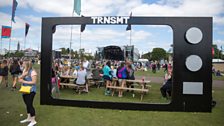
(83, 26)
(14, 5)
(77, 6)
(129, 25)
(6, 31)
(27, 26)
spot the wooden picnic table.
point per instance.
(143, 89)
(71, 83)
(68, 77)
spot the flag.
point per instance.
(14, 5)
(54, 29)
(83, 26)
(27, 28)
(77, 6)
(129, 25)
(6, 31)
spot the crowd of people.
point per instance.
(21, 71)
(105, 70)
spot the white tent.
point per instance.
(217, 61)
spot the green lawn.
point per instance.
(11, 106)
(161, 73)
(149, 73)
(97, 94)
(217, 78)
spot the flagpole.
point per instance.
(80, 40)
(130, 37)
(80, 37)
(70, 43)
(71, 39)
(10, 38)
(1, 45)
(25, 43)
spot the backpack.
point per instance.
(122, 73)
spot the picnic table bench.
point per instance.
(144, 88)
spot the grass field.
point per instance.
(160, 73)
(154, 95)
(11, 106)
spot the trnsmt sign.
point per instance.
(192, 62)
(110, 20)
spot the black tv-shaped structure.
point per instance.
(192, 62)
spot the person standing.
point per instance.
(122, 75)
(29, 78)
(4, 73)
(107, 76)
(15, 70)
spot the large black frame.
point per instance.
(182, 49)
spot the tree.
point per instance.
(158, 54)
(218, 53)
(16, 54)
(67, 50)
(63, 51)
(146, 56)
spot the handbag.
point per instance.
(25, 89)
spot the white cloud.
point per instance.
(184, 8)
(212, 8)
(95, 37)
(21, 3)
(219, 20)
(92, 38)
(5, 3)
(31, 18)
(6, 19)
(219, 43)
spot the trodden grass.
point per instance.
(11, 106)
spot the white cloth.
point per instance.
(86, 64)
(81, 77)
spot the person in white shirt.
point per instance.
(81, 77)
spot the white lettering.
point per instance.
(120, 20)
(110, 20)
(106, 20)
(100, 20)
(126, 20)
(94, 19)
(113, 20)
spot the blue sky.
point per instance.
(143, 37)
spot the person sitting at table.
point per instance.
(107, 76)
(96, 76)
(131, 76)
(81, 79)
(167, 86)
(122, 74)
(65, 72)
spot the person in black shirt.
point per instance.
(15, 71)
(4, 73)
(167, 87)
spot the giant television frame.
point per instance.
(192, 62)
